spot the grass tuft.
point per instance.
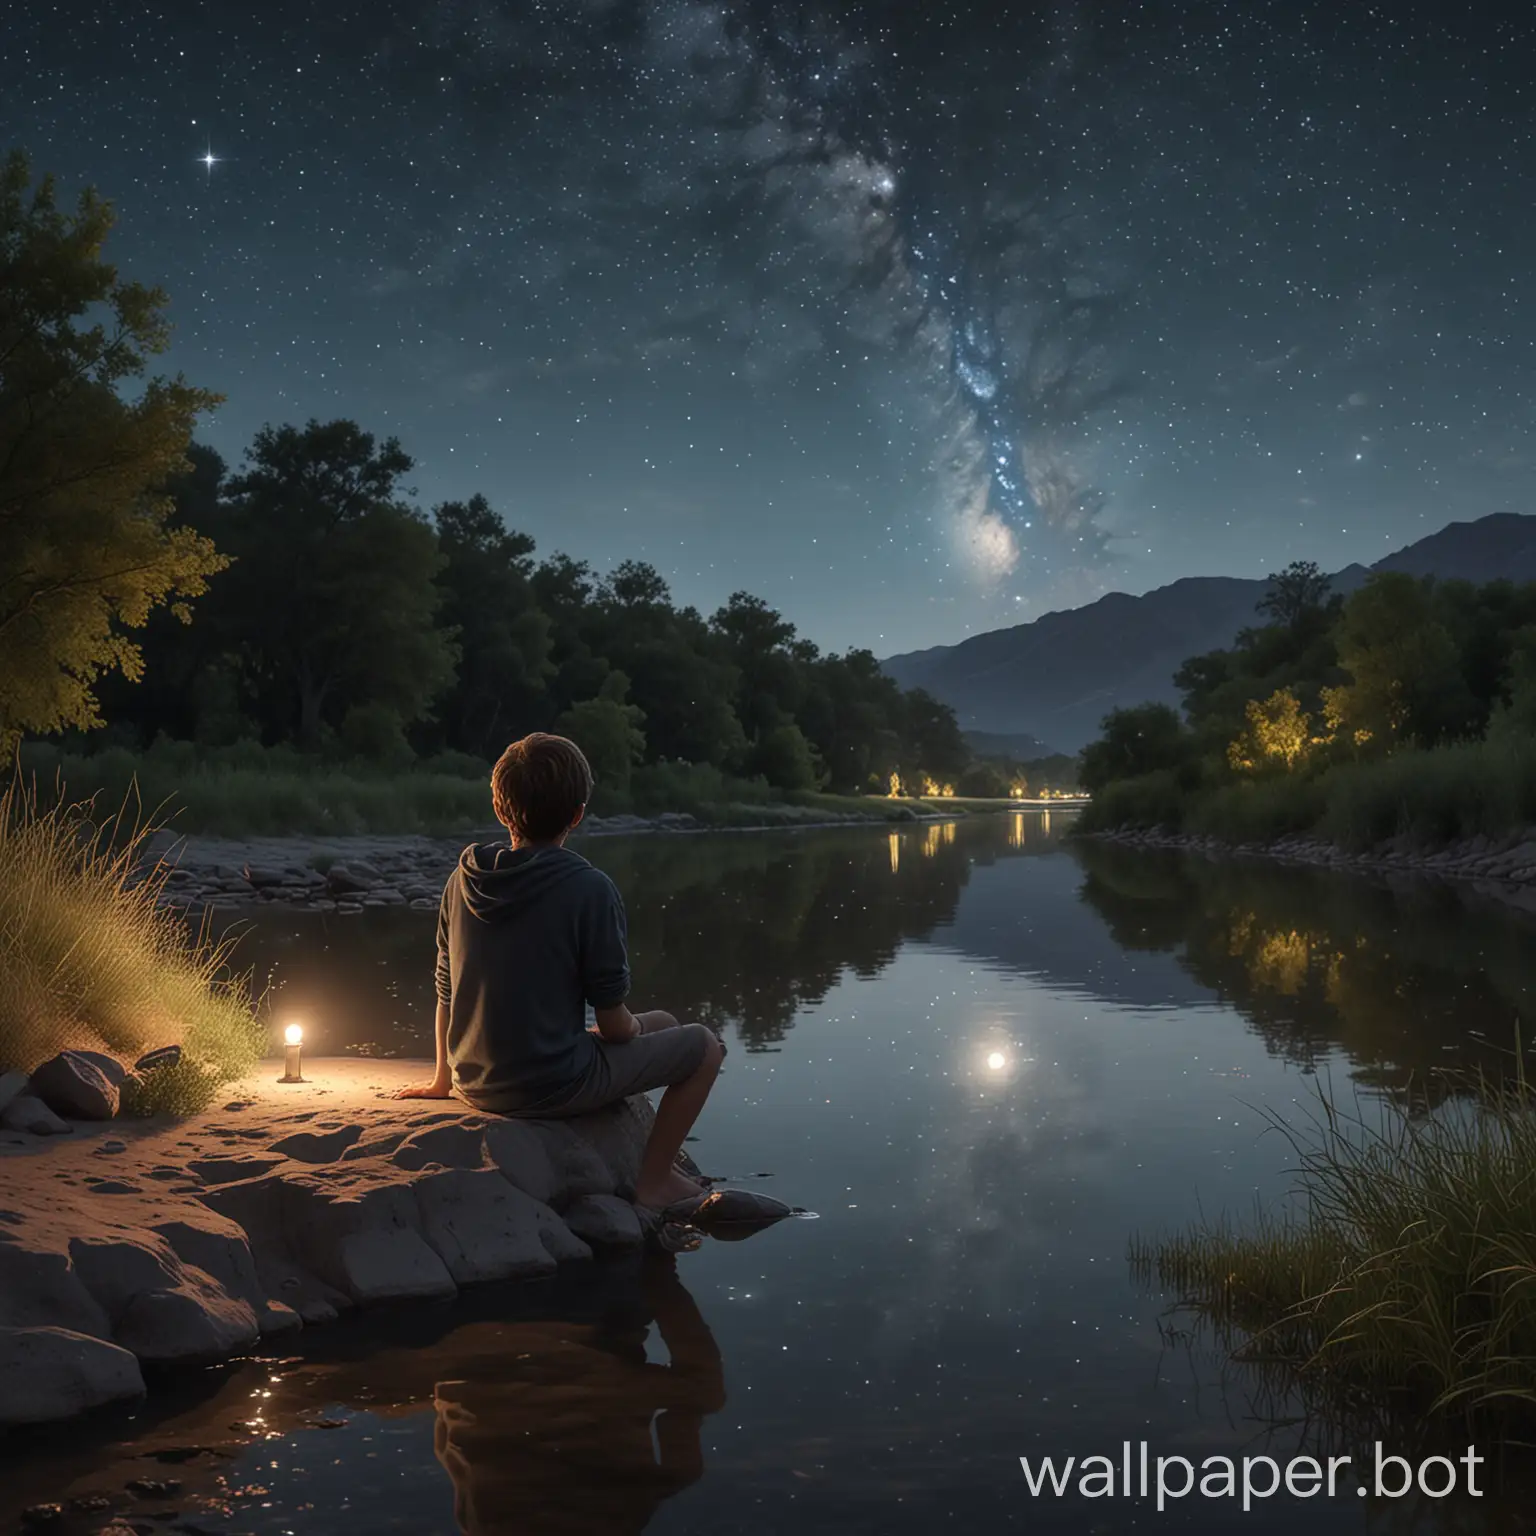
(1403, 1282)
(92, 959)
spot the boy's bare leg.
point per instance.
(659, 1183)
(654, 1019)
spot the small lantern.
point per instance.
(293, 1048)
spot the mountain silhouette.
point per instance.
(1056, 677)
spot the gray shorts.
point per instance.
(654, 1060)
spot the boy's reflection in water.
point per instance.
(573, 1432)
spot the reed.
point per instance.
(1401, 1279)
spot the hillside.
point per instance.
(1058, 676)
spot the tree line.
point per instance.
(303, 599)
(1401, 662)
(347, 619)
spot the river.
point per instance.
(987, 1057)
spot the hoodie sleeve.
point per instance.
(604, 947)
(444, 975)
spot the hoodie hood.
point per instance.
(501, 881)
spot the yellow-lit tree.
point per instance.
(86, 546)
(1278, 732)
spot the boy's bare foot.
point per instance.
(675, 1186)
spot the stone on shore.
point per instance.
(605, 1221)
(31, 1117)
(53, 1373)
(12, 1086)
(311, 1201)
(79, 1085)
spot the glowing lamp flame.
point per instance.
(996, 1061)
(293, 1035)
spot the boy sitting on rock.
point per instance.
(528, 934)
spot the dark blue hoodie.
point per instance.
(526, 937)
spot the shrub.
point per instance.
(91, 958)
(375, 734)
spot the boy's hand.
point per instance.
(438, 1088)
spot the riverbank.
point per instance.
(1502, 868)
(351, 874)
(134, 1246)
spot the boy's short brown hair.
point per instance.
(539, 785)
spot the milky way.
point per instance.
(915, 319)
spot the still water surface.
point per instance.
(987, 1058)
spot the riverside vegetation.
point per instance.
(1403, 1285)
(1407, 710)
(303, 621)
(94, 958)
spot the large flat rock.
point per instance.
(158, 1241)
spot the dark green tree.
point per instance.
(334, 592)
(503, 636)
(88, 545)
(1146, 739)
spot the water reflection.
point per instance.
(739, 930)
(571, 1430)
(1408, 982)
(542, 1407)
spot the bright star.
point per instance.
(209, 160)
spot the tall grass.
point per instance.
(249, 790)
(90, 957)
(1430, 796)
(1402, 1284)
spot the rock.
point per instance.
(111, 1147)
(318, 1146)
(347, 908)
(277, 1317)
(28, 1113)
(162, 1308)
(424, 904)
(456, 1145)
(12, 1086)
(604, 1221)
(54, 1373)
(39, 1515)
(75, 1085)
(112, 1069)
(163, 1056)
(259, 877)
(481, 1227)
(229, 1170)
(344, 879)
(154, 1487)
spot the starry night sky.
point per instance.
(915, 319)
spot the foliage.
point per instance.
(608, 731)
(1404, 679)
(332, 599)
(249, 790)
(988, 781)
(1407, 710)
(503, 635)
(341, 618)
(1278, 732)
(93, 959)
(1404, 1281)
(1150, 738)
(87, 546)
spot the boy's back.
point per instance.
(526, 937)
